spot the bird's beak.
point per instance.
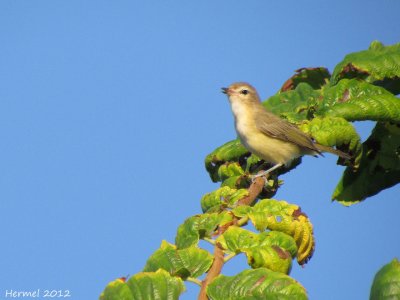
(225, 90)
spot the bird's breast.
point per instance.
(244, 126)
(270, 149)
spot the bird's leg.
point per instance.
(267, 171)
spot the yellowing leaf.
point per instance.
(256, 284)
(145, 286)
(273, 250)
(200, 226)
(281, 216)
(222, 197)
(188, 262)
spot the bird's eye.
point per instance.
(244, 92)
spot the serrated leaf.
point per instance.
(273, 250)
(293, 105)
(315, 77)
(228, 152)
(379, 65)
(283, 217)
(188, 262)
(222, 197)
(200, 226)
(379, 167)
(357, 100)
(256, 284)
(145, 286)
(335, 131)
(386, 285)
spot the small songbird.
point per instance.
(271, 138)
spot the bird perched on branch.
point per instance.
(271, 138)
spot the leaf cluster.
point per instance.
(362, 87)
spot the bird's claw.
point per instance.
(254, 177)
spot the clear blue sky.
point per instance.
(108, 108)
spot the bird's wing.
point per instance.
(273, 126)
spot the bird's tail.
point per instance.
(323, 148)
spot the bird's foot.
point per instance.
(254, 177)
(265, 173)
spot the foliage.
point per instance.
(284, 217)
(356, 100)
(379, 166)
(386, 283)
(273, 249)
(200, 227)
(188, 262)
(145, 286)
(260, 283)
(362, 87)
(379, 65)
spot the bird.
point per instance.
(266, 135)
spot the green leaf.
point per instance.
(221, 198)
(273, 250)
(117, 290)
(188, 262)
(232, 164)
(357, 100)
(274, 258)
(229, 169)
(145, 286)
(235, 239)
(232, 175)
(379, 167)
(252, 162)
(293, 105)
(335, 131)
(379, 65)
(256, 285)
(386, 285)
(236, 182)
(200, 226)
(284, 217)
(230, 151)
(315, 77)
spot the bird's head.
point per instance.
(241, 92)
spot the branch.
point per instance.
(214, 271)
(254, 190)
